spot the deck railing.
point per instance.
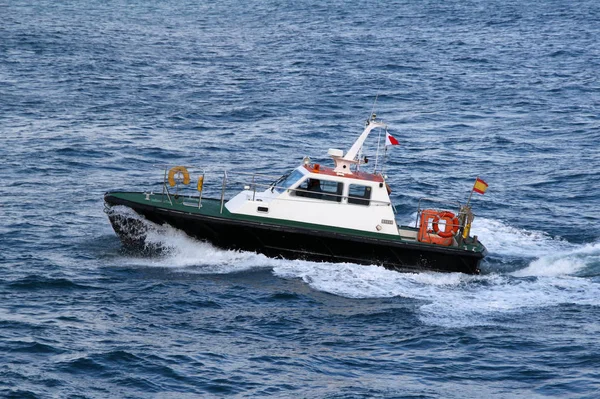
(231, 183)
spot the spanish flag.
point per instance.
(480, 186)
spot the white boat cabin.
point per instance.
(338, 197)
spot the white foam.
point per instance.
(568, 262)
(193, 256)
(503, 239)
(452, 300)
(180, 251)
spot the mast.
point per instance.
(353, 151)
(342, 164)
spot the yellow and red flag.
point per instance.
(480, 186)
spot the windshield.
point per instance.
(288, 180)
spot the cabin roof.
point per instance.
(324, 170)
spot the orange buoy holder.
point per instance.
(426, 234)
(451, 220)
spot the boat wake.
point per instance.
(505, 240)
(167, 247)
(555, 272)
(539, 254)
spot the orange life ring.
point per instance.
(180, 171)
(451, 220)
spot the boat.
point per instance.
(340, 213)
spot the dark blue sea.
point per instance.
(97, 95)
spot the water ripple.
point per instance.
(97, 96)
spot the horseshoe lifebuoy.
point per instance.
(451, 221)
(178, 170)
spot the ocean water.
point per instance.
(95, 95)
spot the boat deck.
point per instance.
(212, 208)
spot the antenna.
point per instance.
(372, 116)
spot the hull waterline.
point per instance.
(290, 241)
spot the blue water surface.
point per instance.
(95, 96)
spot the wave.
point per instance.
(543, 254)
(503, 239)
(172, 248)
(451, 300)
(37, 282)
(581, 261)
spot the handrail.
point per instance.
(229, 181)
(223, 190)
(459, 213)
(166, 189)
(259, 174)
(218, 171)
(439, 200)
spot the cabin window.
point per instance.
(286, 181)
(321, 189)
(359, 195)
